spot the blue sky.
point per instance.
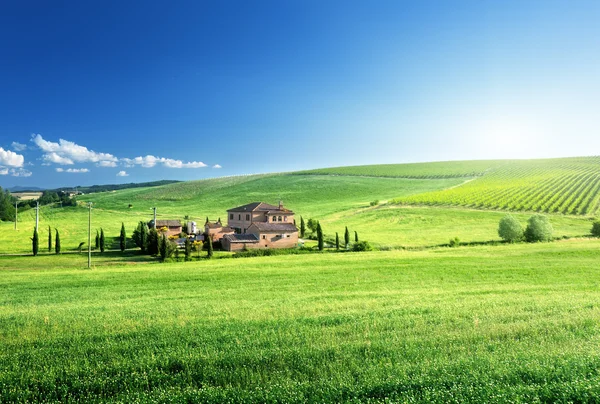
(111, 92)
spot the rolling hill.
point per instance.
(427, 203)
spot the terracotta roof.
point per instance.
(213, 225)
(275, 227)
(241, 238)
(168, 223)
(258, 207)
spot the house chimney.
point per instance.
(280, 204)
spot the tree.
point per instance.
(209, 247)
(188, 248)
(538, 229)
(362, 246)
(346, 238)
(320, 237)
(57, 242)
(35, 242)
(49, 239)
(123, 238)
(101, 240)
(509, 229)
(337, 241)
(596, 228)
(7, 206)
(302, 227)
(153, 244)
(312, 225)
(163, 247)
(355, 237)
(97, 239)
(140, 236)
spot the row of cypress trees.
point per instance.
(35, 241)
(100, 240)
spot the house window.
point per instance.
(247, 217)
(280, 218)
(285, 218)
(274, 218)
(239, 217)
(231, 216)
(264, 237)
(288, 236)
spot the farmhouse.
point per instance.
(260, 225)
(173, 226)
(216, 230)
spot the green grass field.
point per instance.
(480, 324)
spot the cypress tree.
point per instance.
(163, 247)
(35, 242)
(122, 238)
(320, 236)
(97, 239)
(101, 240)
(57, 242)
(153, 242)
(302, 227)
(346, 238)
(49, 239)
(355, 237)
(209, 248)
(143, 236)
(188, 248)
(337, 241)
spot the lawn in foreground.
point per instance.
(479, 324)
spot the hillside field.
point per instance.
(513, 323)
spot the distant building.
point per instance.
(260, 225)
(173, 226)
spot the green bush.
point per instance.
(454, 242)
(374, 203)
(538, 229)
(596, 228)
(362, 246)
(509, 229)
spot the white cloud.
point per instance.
(66, 151)
(150, 161)
(20, 172)
(72, 170)
(18, 146)
(3, 171)
(217, 166)
(56, 159)
(122, 174)
(10, 158)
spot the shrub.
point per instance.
(538, 229)
(454, 242)
(362, 246)
(509, 229)
(596, 228)
(374, 203)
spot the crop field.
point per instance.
(566, 186)
(512, 323)
(444, 169)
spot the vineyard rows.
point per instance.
(568, 186)
(446, 169)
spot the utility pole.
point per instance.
(16, 213)
(154, 217)
(90, 235)
(37, 215)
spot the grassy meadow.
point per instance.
(513, 323)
